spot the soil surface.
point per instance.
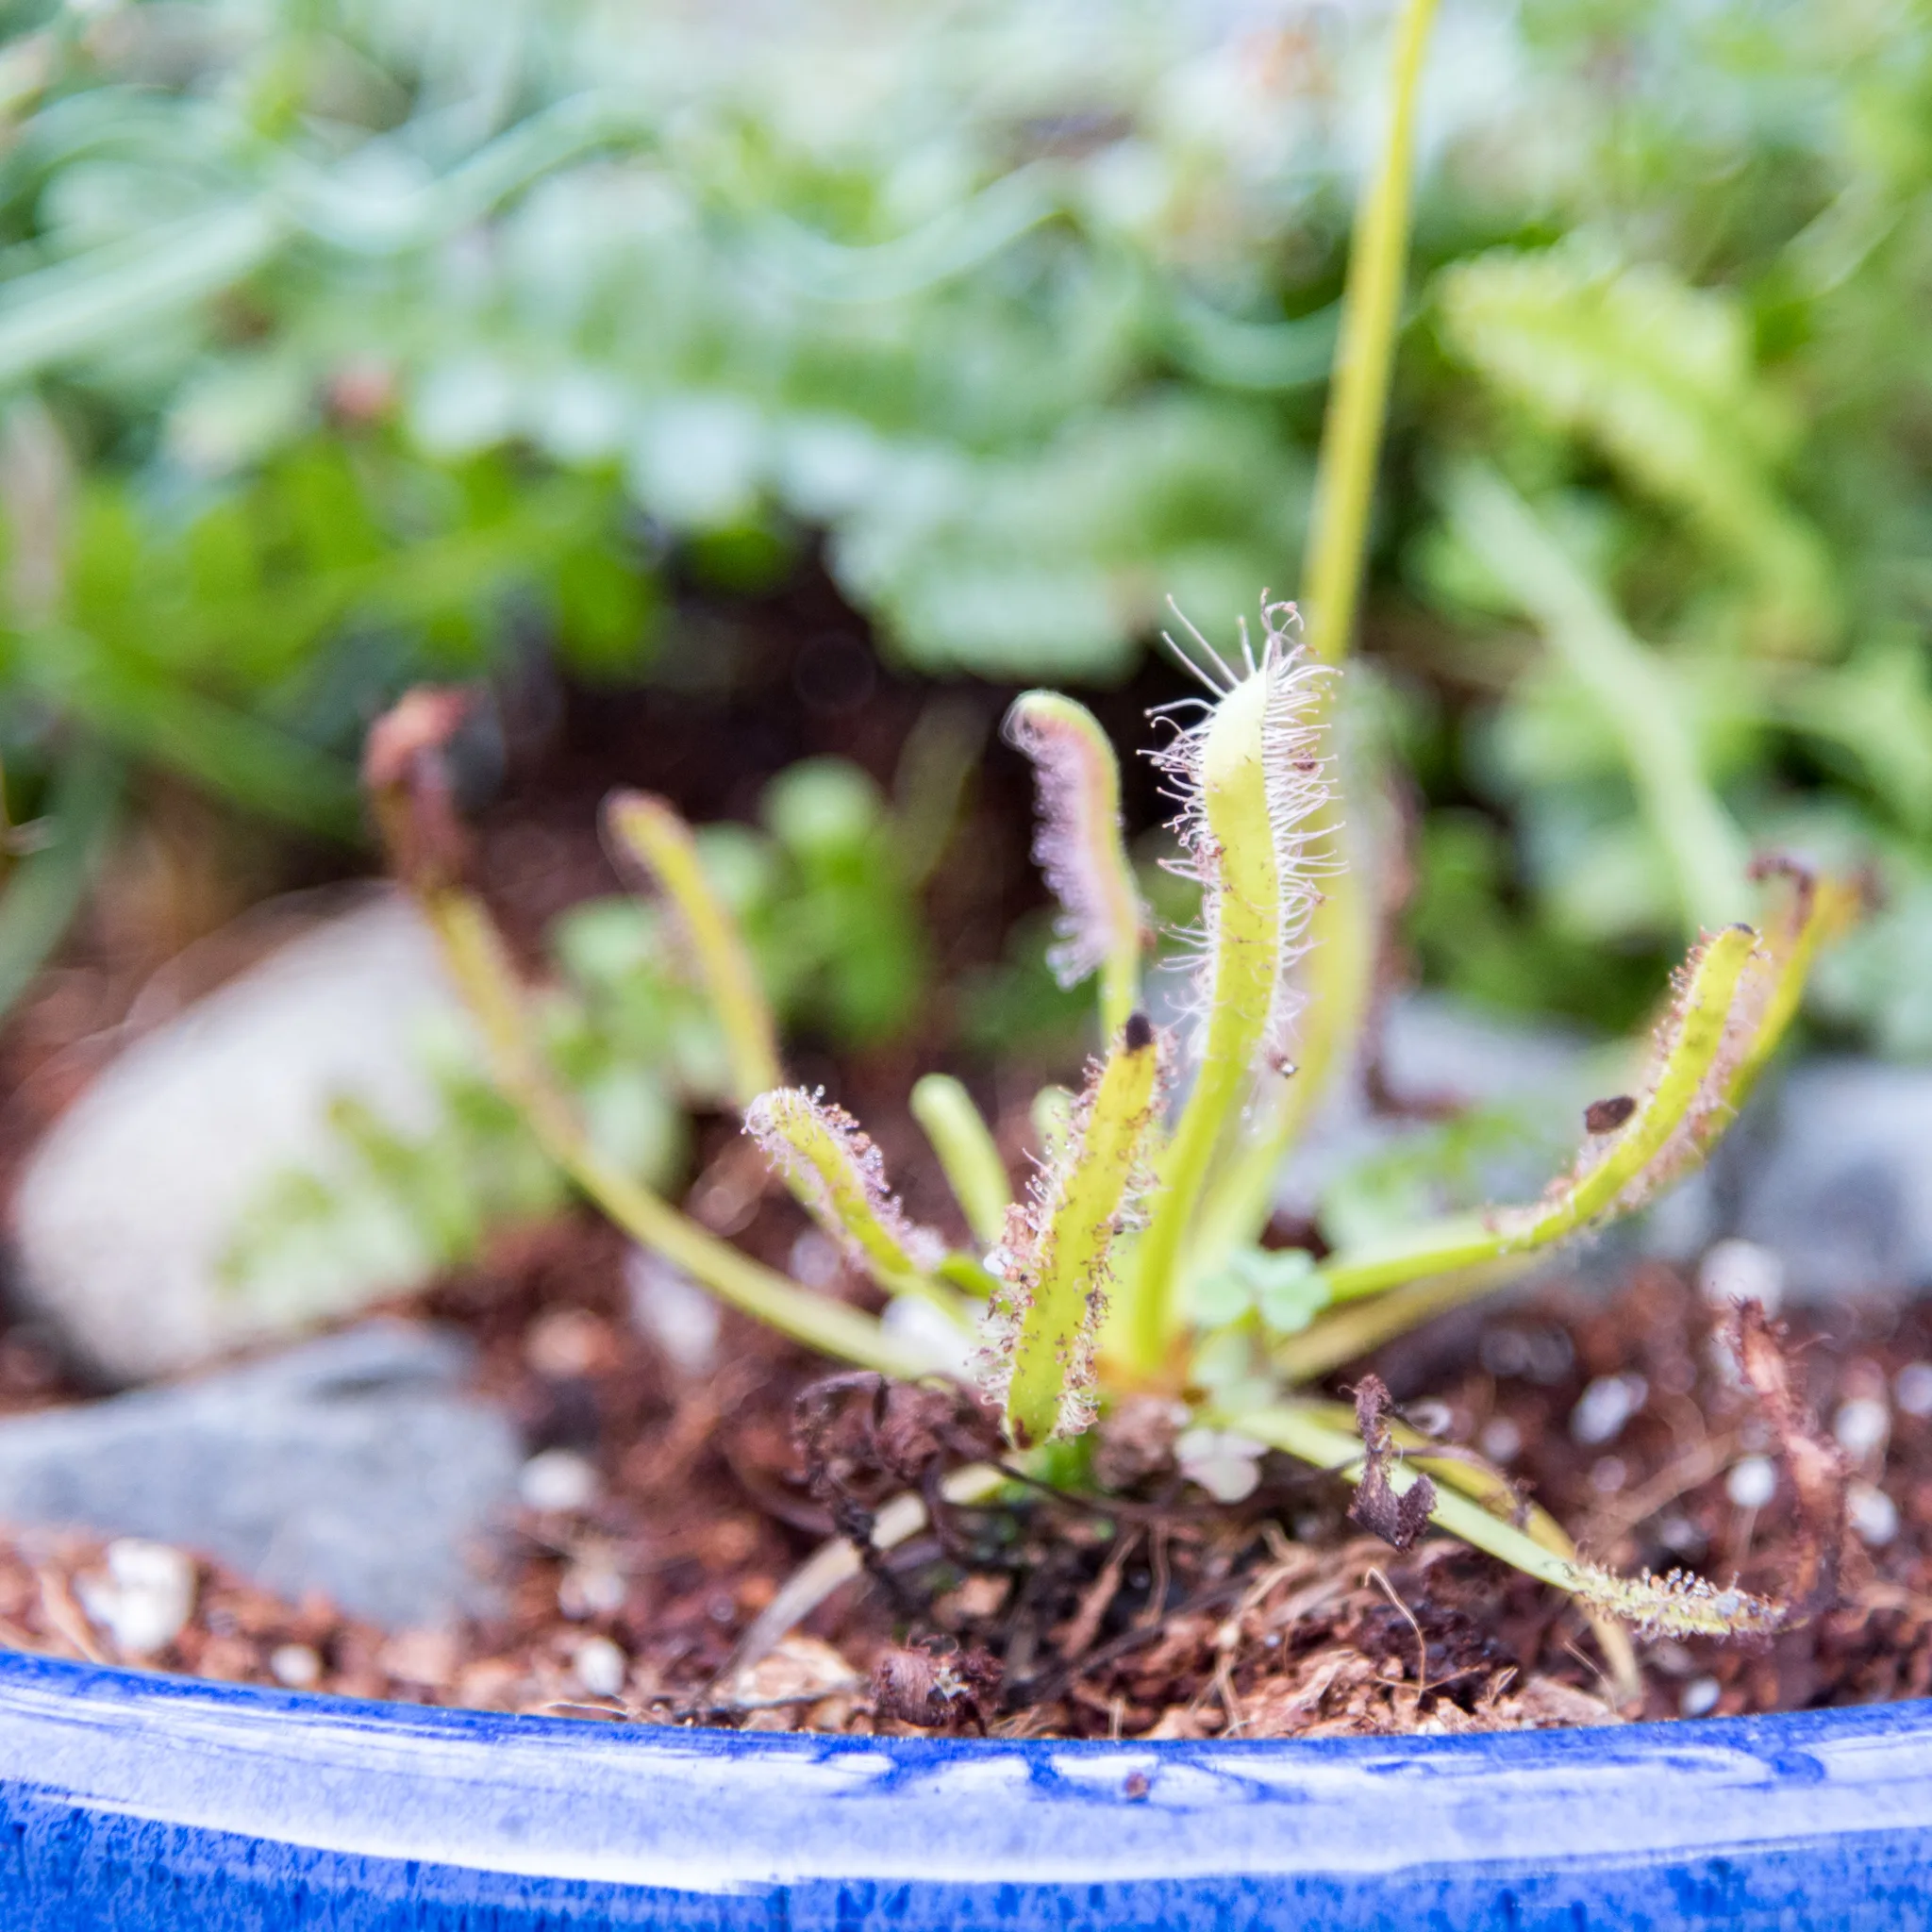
(1164, 1615)
(1167, 1617)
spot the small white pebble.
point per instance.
(1700, 1696)
(1861, 1427)
(296, 1665)
(1608, 1474)
(668, 1307)
(1501, 1439)
(600, 1667)
(1739, 1271)
(1605, 1406)
(1874, 1515)
(1752, 1482)
(590, 1590)
(1504, 1351)
(1679, 1535)
(1227, 1466)
(1429, 1418)
(557, 1480)
(815, 1260)
(144, 1601)
(948, 1348)
(1913, 1389)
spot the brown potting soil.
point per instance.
(1167, 1617)
(1162, 1614)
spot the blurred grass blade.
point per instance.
(1357, 405)
(113, 294)
(1260, 356)
(1661, 376)
(948, 245)
(1631, 687)
(45, 888)
(152, 716)
(366, 224)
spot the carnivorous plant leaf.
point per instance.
(1054, 1261)
(1674, 1605)
(838, 1176)
(1685, 1104)
(1250, 776)
(1077, 848)
(412, 800)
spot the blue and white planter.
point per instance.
(139, 1802)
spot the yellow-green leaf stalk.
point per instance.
(838, 1176)
(1250, 776)
(412, 799)
(967, 1153)
(1078, 848)
(1055, 1263)
(644, 832)
(1686, 1104)
(1672, 1605)
(1703, 1076)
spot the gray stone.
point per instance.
(1530, 1081)
(127, 1207)
(1840, 1186)
(355, 1465)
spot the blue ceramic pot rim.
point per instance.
(718, 1811)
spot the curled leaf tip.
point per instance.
(1078, 843)
(406, 774)
(830, 1163)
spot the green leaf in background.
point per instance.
(1660, 378)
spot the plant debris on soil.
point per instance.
(1167, 1616)
(1805, 1470)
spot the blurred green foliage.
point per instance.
(349, 342)
(822, 891)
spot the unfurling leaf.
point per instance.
(1054, 1262)
(1076, 844)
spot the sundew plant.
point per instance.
(1131, 1267)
